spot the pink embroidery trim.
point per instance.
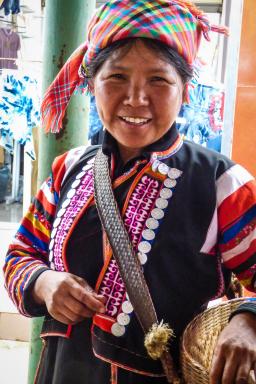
(140, 205)
(82, 194)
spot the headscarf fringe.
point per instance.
(52, 114)
(220, 29)
(203, 19)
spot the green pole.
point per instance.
(65, 27)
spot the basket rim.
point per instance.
(211, 309)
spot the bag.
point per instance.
(199, 339)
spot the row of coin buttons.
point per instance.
(148, 235)
(64, 205)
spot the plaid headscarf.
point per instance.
(177, 23)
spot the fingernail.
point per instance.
(102, 310)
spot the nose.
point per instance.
(136, 96)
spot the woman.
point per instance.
(189, 212)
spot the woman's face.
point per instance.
(138, 96)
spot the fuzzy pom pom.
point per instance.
(157, 340)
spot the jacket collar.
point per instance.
(162, 148)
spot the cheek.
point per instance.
(168, 104)
(106, 99)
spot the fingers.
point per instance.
(69, 298)
(78, 310)
(84, 294)
(230, 371)
(243, 372)
(218, 364)
(235, 353)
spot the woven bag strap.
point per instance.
(127, 261)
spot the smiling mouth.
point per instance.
(135, 120)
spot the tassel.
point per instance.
(220, 29)
(203, 19)
(157, 340)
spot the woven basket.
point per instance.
(199, 340)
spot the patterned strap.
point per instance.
(128, 262)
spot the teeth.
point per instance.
(135, 120)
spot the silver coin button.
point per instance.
(123, 319)
(142, 258)
(152, 223)
(66, 203)
(52, 266)
(87, 167)
(51, 245)
(53, 233)
(56, 222)
(148, 234)
(61, 212)
(75, 184)
(155, 165)
(170, 183)
(163, 168)
(144, 246)
(161, 203)
(157, 213)
(51, 256)
(127, 307)
(71, 193)
(174, 173)
(165, 193)
(117, 330)
(80, 175)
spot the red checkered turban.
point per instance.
(177, 23)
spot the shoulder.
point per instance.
(207, 160)
(65, 163)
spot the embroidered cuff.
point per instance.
(245, 307)
(32, 308)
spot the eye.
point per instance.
(118, 76)
(158, 79)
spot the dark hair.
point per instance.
(170, 55)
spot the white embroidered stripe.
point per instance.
(19, 242)
(72, 157)
(48, 194)
(230, 181)
(240, 248)
(212, 234)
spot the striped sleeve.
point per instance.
(27, 255)
(236, 212)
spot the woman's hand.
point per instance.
(235, 353)
(68, 298)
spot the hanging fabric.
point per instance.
(10, 6)
(201, 120)
(19, 111)
(9, 47)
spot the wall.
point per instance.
(244, 138)
(12, 325)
